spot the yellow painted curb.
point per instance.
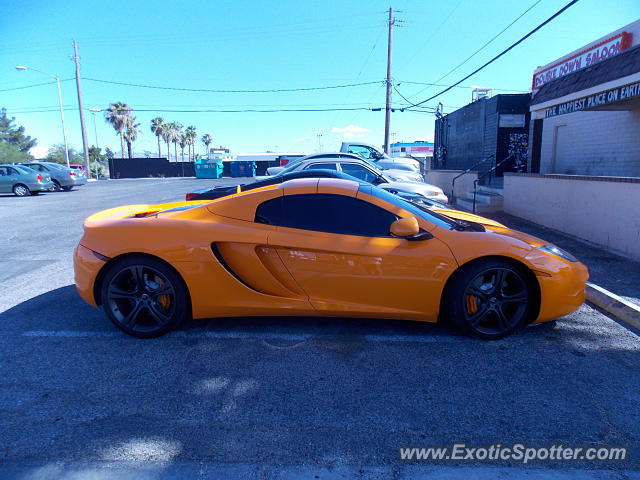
(622, 309)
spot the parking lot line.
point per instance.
(373, 338)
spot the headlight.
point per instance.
(557, 252)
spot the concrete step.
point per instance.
(491, 189)
(485, 198)
(490, 207)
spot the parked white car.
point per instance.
(364, 170)
(371, 153)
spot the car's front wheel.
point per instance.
(144, 297)
(490, 299)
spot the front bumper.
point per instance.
(562, 285)
(86, 267)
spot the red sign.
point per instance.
(603, 50)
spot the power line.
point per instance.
(552, 17)
(249, 110)
(480, 49)
(274, 90)
(34, 85)
(456, 86)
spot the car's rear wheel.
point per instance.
(144, 297)
(490, 299)
(56, 186)
(21, 190)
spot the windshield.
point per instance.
(416, 209)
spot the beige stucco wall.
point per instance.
(604, 211)
(443, 179)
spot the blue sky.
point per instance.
(243, 45)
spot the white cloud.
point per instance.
(39, 152)
(350, 129)
(353, 135)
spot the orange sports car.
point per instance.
(321, 247)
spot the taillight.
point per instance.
(72, 173)
(39, 177)
(283, 162)
(190, 196)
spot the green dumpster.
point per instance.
(208, 168)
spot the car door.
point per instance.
(339, 251)
(5, 180)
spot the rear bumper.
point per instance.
(40, 186)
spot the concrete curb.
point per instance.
(620, 308)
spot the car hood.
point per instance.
(420, 188)
(468, 217)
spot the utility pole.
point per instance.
(387, 115)
(85, 146)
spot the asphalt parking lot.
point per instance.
(280, 397)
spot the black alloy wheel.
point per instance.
(490, 299)
(144, 297)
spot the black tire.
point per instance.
(56, 186)
(68, 188)
(490, 299)
(20, 190)
(144, 297)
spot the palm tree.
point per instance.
(183, 141)
(206, 139)
(130, 133)
(176, 132)
(191, 138)
(117, 115)
(156, 128)
(166, 136)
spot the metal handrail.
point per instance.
(453, 182)
(484, 174)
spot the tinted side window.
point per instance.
(358, 171)
(336, 214)
(270, 212)
(321, 166)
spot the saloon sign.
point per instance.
(605, 49)
(596, 100)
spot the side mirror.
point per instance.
(409, 229)
(379, 180)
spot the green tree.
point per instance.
(10, 153)
(183, 141)
(156, 128)
(109, 153)
(207, 139)
(56, 154)
(117, 116)
(14, 135)
(98, 162)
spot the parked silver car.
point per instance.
(22, 181)
(397, 174)
(364, 170)
(63, 178)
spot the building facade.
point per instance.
(585, 109)
(491, 128)
(418, 149)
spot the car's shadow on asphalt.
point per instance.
(62, 310)
(315, 390)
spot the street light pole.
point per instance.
(64, 131)
(95, 128)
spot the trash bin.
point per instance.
(243, 169)
(206, 168)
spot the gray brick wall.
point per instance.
(592, 143)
